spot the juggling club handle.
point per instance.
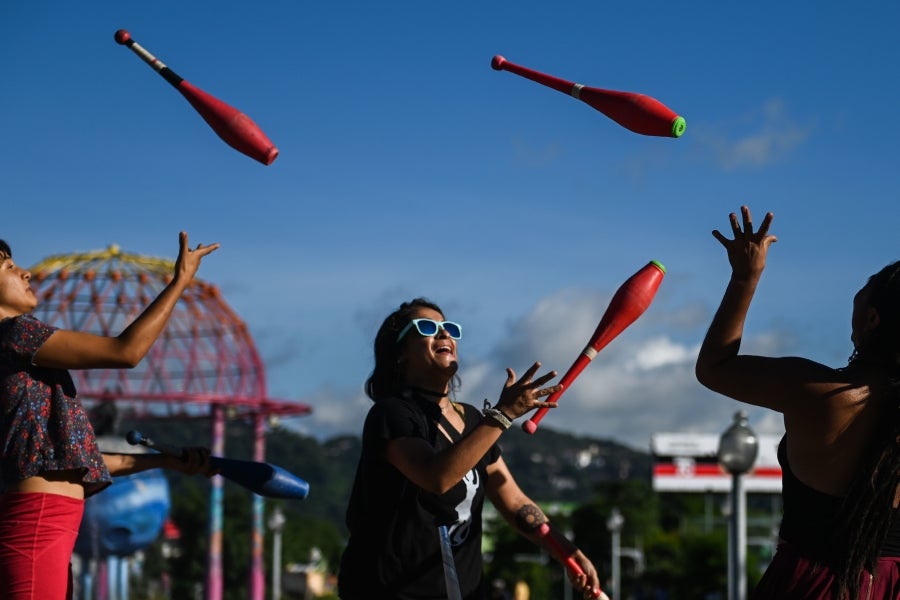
(135, 437)
(561, 555)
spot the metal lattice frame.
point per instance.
(204, 356)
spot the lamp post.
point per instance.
(276, 524)
(614, 523)
(738, 447)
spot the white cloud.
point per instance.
(640, 384)
(763, 137)
(661, 352)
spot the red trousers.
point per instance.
(37, 535)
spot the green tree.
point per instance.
(638, 505)
(303, 533)
(515, 558)
(682, 536)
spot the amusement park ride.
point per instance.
(204, 365)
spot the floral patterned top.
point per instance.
(43, 425)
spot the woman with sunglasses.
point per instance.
(49, 457)
(428, 463)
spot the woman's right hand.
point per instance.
(188, 260)
(524, 395)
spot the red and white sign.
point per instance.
(687, 462)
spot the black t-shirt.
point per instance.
(394, 549)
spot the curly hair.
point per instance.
(868, 506)
(387, 377)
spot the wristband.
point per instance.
(497, 415)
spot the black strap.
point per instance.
(455, 435)
(426, 392)
(433, 411)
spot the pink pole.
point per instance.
(214, 555)
(257, 569)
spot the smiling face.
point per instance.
(16, 295)
(428, 361)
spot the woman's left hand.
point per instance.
(524, 395)
(589, 582)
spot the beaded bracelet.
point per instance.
(497, 415)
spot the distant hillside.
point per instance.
(550, 466)
(556, 466)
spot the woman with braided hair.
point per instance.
(840, 455)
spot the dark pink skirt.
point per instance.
(37, 535)
(793, 576)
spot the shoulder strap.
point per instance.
(450, 429)
(431, 412)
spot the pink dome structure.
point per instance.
(204, 364)
(205, 355)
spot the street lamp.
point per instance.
(738, 448)
(614, 523)
(276, 524)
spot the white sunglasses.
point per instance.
(430, 327)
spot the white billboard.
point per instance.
(686, 462)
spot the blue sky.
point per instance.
(409, 167)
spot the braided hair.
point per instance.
(868, 508)
(387, 377)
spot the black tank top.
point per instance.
(809, 515)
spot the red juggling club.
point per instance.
(560, 554)
(637, 112)
(234, 127)
(627, 304)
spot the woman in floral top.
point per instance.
(49, 458)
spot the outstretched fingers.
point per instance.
(761, 237)
(767, 221)
(524, 394)
(535, 388)
(748, 249)
(526, 378)
(201, 250)
(188, 260)
(748, 223)
(743, 229)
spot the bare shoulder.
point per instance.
(829, 407)
(780, 383)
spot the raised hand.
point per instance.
(747, 251)
(523, 395)
(188, 260)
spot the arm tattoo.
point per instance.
(529, 518)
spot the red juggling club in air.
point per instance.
(637, 112)
(629, 302)
(234, 127)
